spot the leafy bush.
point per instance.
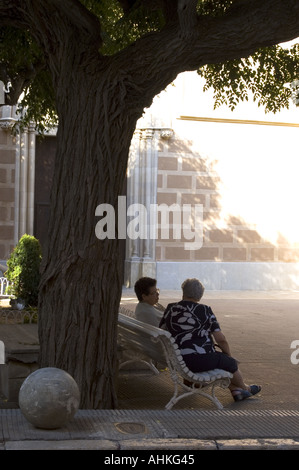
(23, 269)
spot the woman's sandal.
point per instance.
(254, 389)
(239, 394)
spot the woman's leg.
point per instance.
(237, 382)
(217, 360)
(202, 362)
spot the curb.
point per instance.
(165, 445)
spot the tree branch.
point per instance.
(168, 7)
(239, 33)
(188, 18)
(170, 10)
(29, 13)
(11, 13)
(81, 18)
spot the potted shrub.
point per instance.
(24, 270)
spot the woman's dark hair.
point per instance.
(143, 285)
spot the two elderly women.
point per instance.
(197, 333)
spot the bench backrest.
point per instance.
(142, 337)
(4, 283)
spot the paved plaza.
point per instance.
(260, 327)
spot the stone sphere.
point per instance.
(49, 398)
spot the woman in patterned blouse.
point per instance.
(195, 328)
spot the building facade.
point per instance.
(216, 190)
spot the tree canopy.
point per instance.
(267, 76)
(267, 73)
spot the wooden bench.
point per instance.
(153, 345)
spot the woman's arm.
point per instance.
(222, 342)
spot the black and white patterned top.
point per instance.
(191, 325)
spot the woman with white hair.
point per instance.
(195, 328)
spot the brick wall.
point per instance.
(7, 193)
(185, 177)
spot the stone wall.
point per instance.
(17, 178)
(7, 193)
(187, 176)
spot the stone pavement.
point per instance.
(260, 327)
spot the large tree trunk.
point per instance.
(82, 275)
